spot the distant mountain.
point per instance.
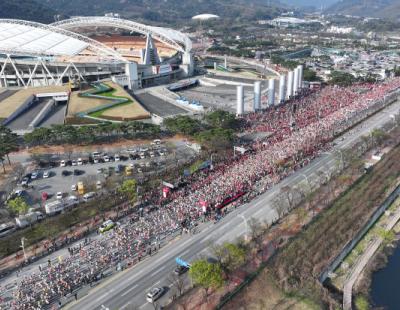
(387, 9)
(310, 3)
(26, 9)
(168, 11)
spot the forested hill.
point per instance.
(387, 9)
(167, 11)
(27, 10)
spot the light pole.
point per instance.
(246, 226)
(23, 248)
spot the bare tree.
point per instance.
(279, 206)
(177, 282)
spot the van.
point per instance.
(89, 196)
(54, 207)
(128, 170)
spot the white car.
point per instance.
(63, 163)
(117, 158)
(152, 154)
(154, 294)
(96, 160)
(106, 159)
(59, 195)
(98, 185)
(74, 163)
(142, 155)
(73, 187)
(132, 165)
(46, 174)
(34, 175)
(162, 153)
(80, 162)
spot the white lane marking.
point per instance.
(184, 252)
(144, 305)
(128, 291)
(157, 271)
(126, 305)
(148, 289)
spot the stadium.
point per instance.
(41, 64)
(91, 48)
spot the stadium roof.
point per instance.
(170, 37)
(205, 16)
(18, 37)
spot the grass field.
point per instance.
(130, 110)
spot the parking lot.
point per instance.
(145, 160)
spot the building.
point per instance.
(90, 49)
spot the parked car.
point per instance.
(25, 181)
(89, 196)
(59, 195)
(116, 157)
(98, 185)
(34, 175)
(154, 294)
(74, 163)
(106, 159)
(78, 172)
(74, 187)
(63, 163)
(46, 174)
(80, 162)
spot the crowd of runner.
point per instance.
(297, 131)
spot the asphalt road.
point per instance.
(127, 289)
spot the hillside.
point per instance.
(387, 9)
(167, 11)
(26, 9)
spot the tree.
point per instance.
(206, 275)
(183, 124)
(216, 139)
(18, 205)
(342, 78)
(177, 282)
(129, 189)
(221, 119)
(361, 303)
(230, 256)
(8, 141)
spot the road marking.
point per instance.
(144, 305)
(157, 271)
(148, 289)
(184, 252)
(126, 305)
(128, 291)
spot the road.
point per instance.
(128, 288)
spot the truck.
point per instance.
(81, 188)
(54, 207)
(28, 219)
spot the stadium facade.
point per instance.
(88, 49)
